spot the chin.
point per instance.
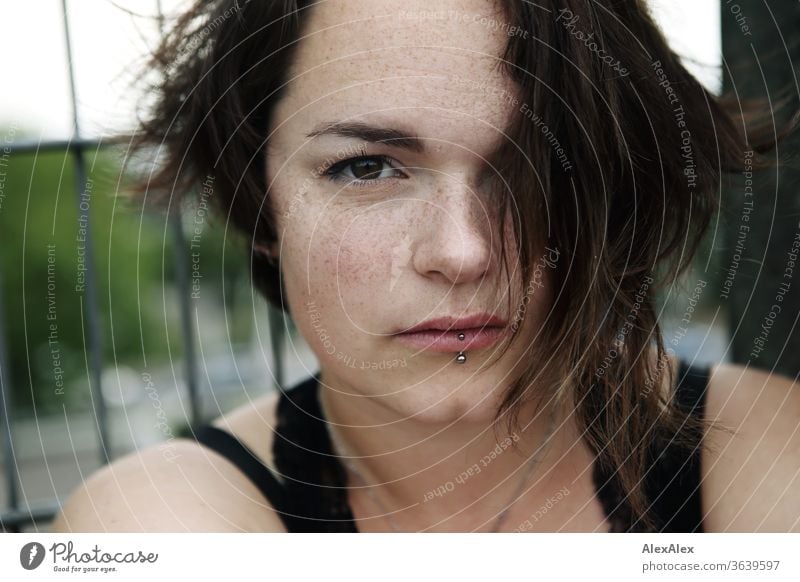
(431, 394)
(446, 399)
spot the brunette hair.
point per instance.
(646, 144)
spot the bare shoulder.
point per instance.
(751, 472)
(183, 488)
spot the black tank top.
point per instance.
(309, 490)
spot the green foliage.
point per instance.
(45, 302)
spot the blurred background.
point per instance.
(114, 335)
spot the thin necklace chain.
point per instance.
(532, 462)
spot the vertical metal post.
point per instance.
(277, 333)
(187, 327)
(84, 216)
(6, 405)
(761, 64)
(182, 276)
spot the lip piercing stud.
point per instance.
(462, 356)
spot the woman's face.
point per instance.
(371, 248)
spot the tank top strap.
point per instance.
(227, 445)
(315, 479)
(307, 490)
(672, 481)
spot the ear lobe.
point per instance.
(267, 251)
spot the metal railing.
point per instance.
(16, 516)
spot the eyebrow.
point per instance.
(370, 133)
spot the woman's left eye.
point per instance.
(363, 170)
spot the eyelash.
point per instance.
(333, 172)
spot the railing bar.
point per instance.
(187, 329)
(6, 405)
(91, 290)
(45, 511)
(30, 147)
(277, 332)
(182, 275)
(76, 130)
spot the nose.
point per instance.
(456, 235)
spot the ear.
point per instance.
(268, 250)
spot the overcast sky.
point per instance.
(108, 41)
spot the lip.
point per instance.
(441, 334)
(458, 323)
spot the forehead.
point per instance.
(420, 62)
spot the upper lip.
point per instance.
(454, 323)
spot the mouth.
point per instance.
(442, 334)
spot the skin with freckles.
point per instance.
(406, 234)
(363, 260)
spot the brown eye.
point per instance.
(364, 170)
(367, 168)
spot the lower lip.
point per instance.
(447, 341)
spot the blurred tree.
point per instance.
(42, 260)
(44, 278)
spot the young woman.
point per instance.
(467, 210)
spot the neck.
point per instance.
(462, 472)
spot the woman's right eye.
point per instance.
(363, 170)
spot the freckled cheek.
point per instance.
(345, 258)
(360, 256)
